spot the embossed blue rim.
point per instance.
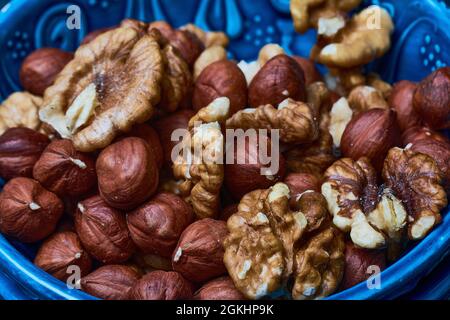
(23, 280)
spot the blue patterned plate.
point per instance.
(421, 44)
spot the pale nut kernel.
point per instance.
(340, 116)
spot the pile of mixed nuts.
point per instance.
(152, 167)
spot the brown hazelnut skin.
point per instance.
(280, 78)
(40, 69)
(61, 251)
(146, 132)
(64, 170)
(156, 226)
(309, 69)
(199, 252)
(228, 211)
(20, 148)
(401, 100)
(221, 79)
(28, 212)
(219, 289)
(416, 134)
(357, 261)
(127, 173)
(432, 99)
(162, 285)
(371, 134)
(112, 282)
(103, 231)
(301, 182)
(241, 178)
(167, 125)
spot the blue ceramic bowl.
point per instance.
(421, 44)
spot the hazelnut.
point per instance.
(94, 34)
(416, 134)
(228, 211)
(299, 183)
(20, 148)
(61, 251)
(146, 132)
(127, 173)
(40, 69)
(210, 55)
(219, 289)
(309, 69)
(161, 285)
(156, 226)
(64, 170)
(28, 212)
(280, 78)
(103, 231)
(401, 100)
(112, 282)
(357, 263)
(221, 79)
(199, 252)
(432, 99)
(371, 134)
(268, 52)
(151, 262)
(166, 126)
(244, 173)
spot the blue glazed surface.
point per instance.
(421, 44)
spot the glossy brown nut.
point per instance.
(146, 132)
(301, 182)
(199, 252)
(221, 79)
(280, 78)
(432, 99)
(112, 282)
(64, 170)
(228, 211)
(103, 231)
(162, 285)
(219, 289)
(20, 148)
(60, 252)
(357, 263)
(156, 226)
(309, 69)
(127, 173)
(167, 125)
(40, 69)
(243, 176)
(28, 212)
(401, 100)
(416, 134)
(94, 34)
(371, 134)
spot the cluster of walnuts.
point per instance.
(92, 176)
